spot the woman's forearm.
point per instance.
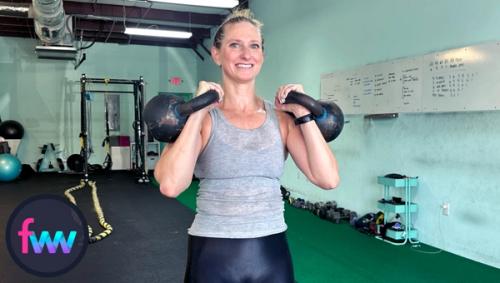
(320, 158)
(174, 170)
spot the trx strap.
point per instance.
(108, 163)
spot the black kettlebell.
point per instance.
(328, 115)
(166, 114)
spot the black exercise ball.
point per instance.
(75, 162)
(11, 129)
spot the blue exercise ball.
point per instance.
(10, 167)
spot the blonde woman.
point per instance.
(237, 148)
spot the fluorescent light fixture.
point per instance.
(204, 3)
(158, 32)
(56, 52)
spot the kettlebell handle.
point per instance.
(197, 103)
(308, 102)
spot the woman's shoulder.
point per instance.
(283, 117)
(285, 121)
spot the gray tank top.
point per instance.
(239, 172)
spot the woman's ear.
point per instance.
(215, 55)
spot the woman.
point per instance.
(237, 148)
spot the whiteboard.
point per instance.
(462, 79)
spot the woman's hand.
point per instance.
(204, 86)
(281, 94)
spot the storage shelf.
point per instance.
(152, 154)
(401, 235)
(396, 208)
(397, 183)
(405, 209)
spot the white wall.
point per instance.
(44, 95)
(455, 155)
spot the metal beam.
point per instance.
(96, 22)
(198, 53)
(107, 26)
(164, 43)
(119, 35)
(15, 33)
(16, 22)
(124, 39)
(12, 9)
(243, 4)
(138, 13)
(11, 30)
(199, 41)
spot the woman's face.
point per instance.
(240, 54)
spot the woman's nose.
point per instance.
(245, 53)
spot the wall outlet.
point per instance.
(445, 208)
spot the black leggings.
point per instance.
(264, 259)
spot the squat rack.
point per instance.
(138, 125)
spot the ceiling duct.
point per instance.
(56, 52)
(53, 28)
(49, 20)
(63, 49)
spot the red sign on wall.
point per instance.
(175, 81)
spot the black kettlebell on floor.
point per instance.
(328, 115)
(166, 114)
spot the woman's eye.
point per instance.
(255, 46)
(234, 45)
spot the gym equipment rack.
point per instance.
(139, 126)
(409, 233)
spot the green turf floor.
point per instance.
(327, 252)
